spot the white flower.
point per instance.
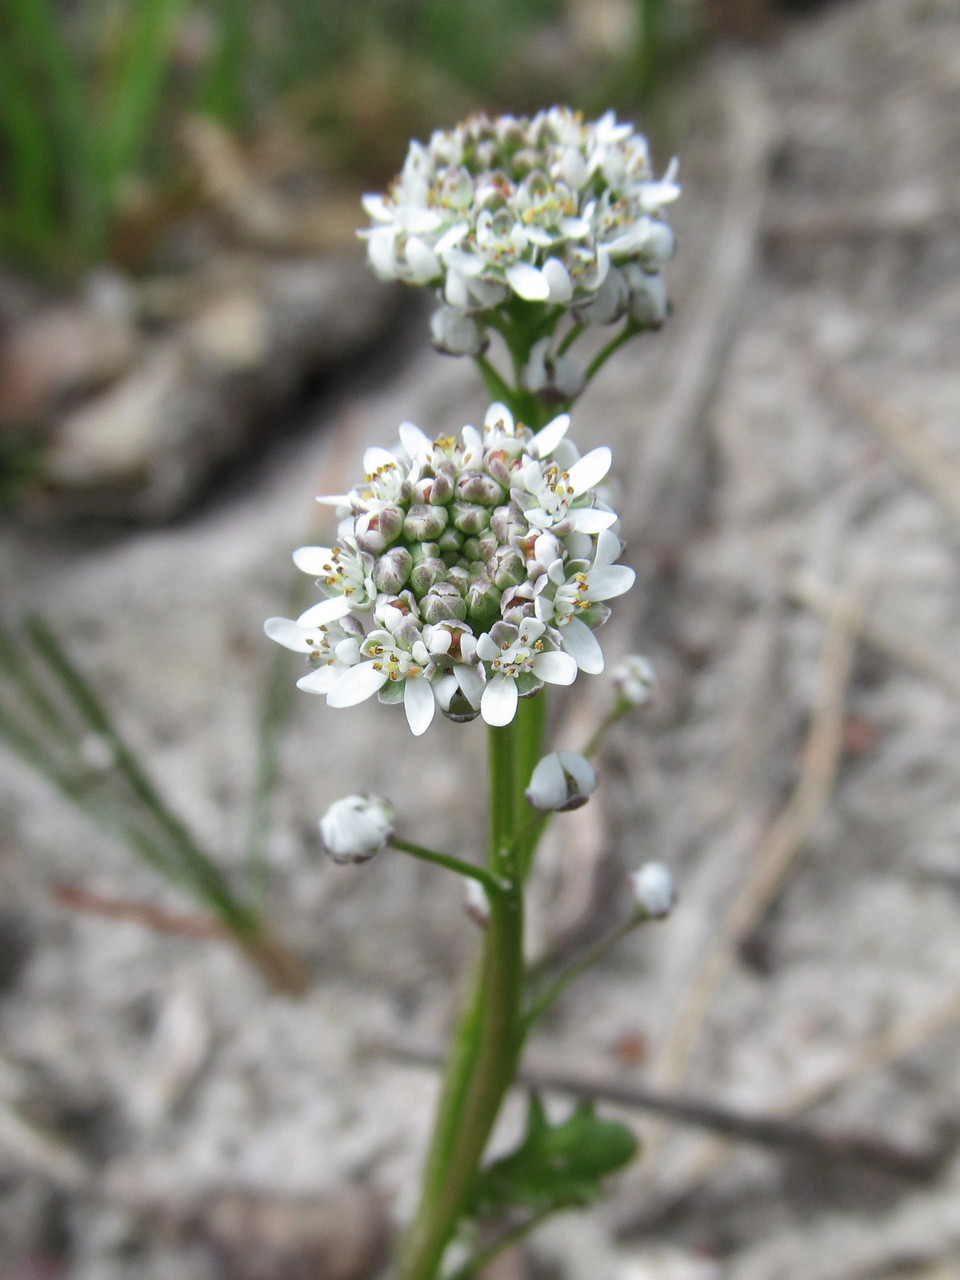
(456, 332)
(519, 655)
(468, 572)
(568, 603)
(633, 679)
(562, 780)
(557, 377)
(653, 890)
(356, 827)
(532, 207)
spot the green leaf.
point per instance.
(556, 1166)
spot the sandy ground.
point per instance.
(789, 468)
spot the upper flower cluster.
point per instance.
(551, 209)
(466, 574)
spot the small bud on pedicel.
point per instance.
(633, 680)
(354, 828)
(477, 904)
(653, 890)
(561, 781)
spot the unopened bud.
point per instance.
(561, 781)
(633, 680)
(477, 486)
(392, 570)
(443, 603)
(426, 573)
(375, 530)
(506, 568)
(456, 333)
(470, 517)
(356, 827)
(483, 602)
(653, 890)
(424, 523)
(477, 904)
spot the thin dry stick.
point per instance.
(785, 840)
(40, 1152)
(820, 598)
(872, 1054)
(928, 461)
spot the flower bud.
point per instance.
(477, 904)
(456, 332)
(443, 603)
(633, 680)
(483, 603)
(450, 542)
(375, 530)
(356, 827)
(653, 890)
(470, 517)
(425, 523)
(426, 573)
(507, 568)
(648, 297)
(391, 571)
(562, 780)
(477, 486)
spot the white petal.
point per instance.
(498, 705)
(554, 667)
(613, 581)
(325, 611)
(355, 685)
(313, 560)
(422, 261)
(470, 681)
(545, 441)
(375, 457)
(381, 251)
(558, 280)
(589, 519)
(498, 415)
(583, 646)
(528, 282)
(288, 633)
(608, 548)
(320, 681)
(455, 290)
(415, 441)
(591, 469)
(419, 704)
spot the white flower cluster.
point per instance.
(550, 209)
(467, 573)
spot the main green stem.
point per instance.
(486, 1050)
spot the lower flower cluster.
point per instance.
(466, 573)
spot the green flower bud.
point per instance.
(375, 530)
(391, 571)
(471, 517)
(483, 603)
(505, 526)
(424, 523)
(450, 540)
(425, 574)
(443, 603)
(477, 486)
(506, 568)
(459, 577)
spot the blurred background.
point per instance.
(200, 1018)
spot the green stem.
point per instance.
(490, 883)
(483, 1063)
(552, 993)
(629, 330)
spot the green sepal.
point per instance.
(556, 1166)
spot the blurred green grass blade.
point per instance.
(134, 96)
(205, 878)
(18, 669)
(221, 92)
(76, 790)
(30, 219)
